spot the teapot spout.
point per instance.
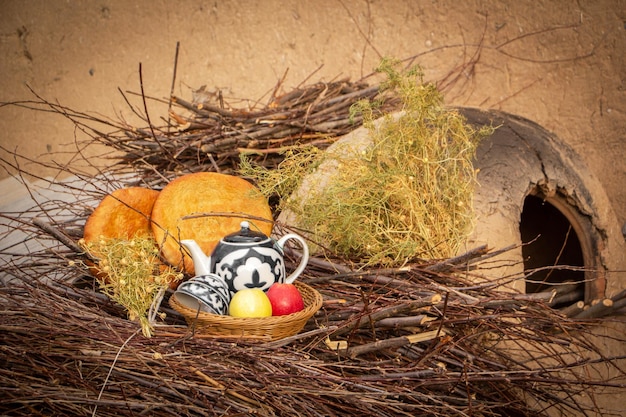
(201, 262)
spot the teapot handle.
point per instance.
(303, 261)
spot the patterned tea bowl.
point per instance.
(208, 293)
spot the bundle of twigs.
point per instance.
(424, 339)
(415, 340)
(208, 134)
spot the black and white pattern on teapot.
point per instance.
(247, 259)
(257, 267)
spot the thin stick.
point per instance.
(394, 342)
(145, 107)
(170, 101)
(106, 380)
(449, 264)
(287, 340)
(61, 237)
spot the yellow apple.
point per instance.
(250, 302)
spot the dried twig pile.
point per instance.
(207, 134)
(410, 341)
(424, 339)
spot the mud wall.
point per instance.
(559, 63)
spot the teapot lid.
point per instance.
(245, 235)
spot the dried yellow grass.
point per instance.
(406, 196)
(131, 274)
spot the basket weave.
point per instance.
(266, 328)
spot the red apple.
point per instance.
(285, 299)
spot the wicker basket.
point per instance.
(265, 328)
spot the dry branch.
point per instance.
(391, 343)
(599, 309)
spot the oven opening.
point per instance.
(551, 250)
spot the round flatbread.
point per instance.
(123, 214)
(197, 206)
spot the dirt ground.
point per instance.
(559, 63)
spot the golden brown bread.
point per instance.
(123, 214)
(196, 206)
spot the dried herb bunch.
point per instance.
(407, 195)
(131, 274)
